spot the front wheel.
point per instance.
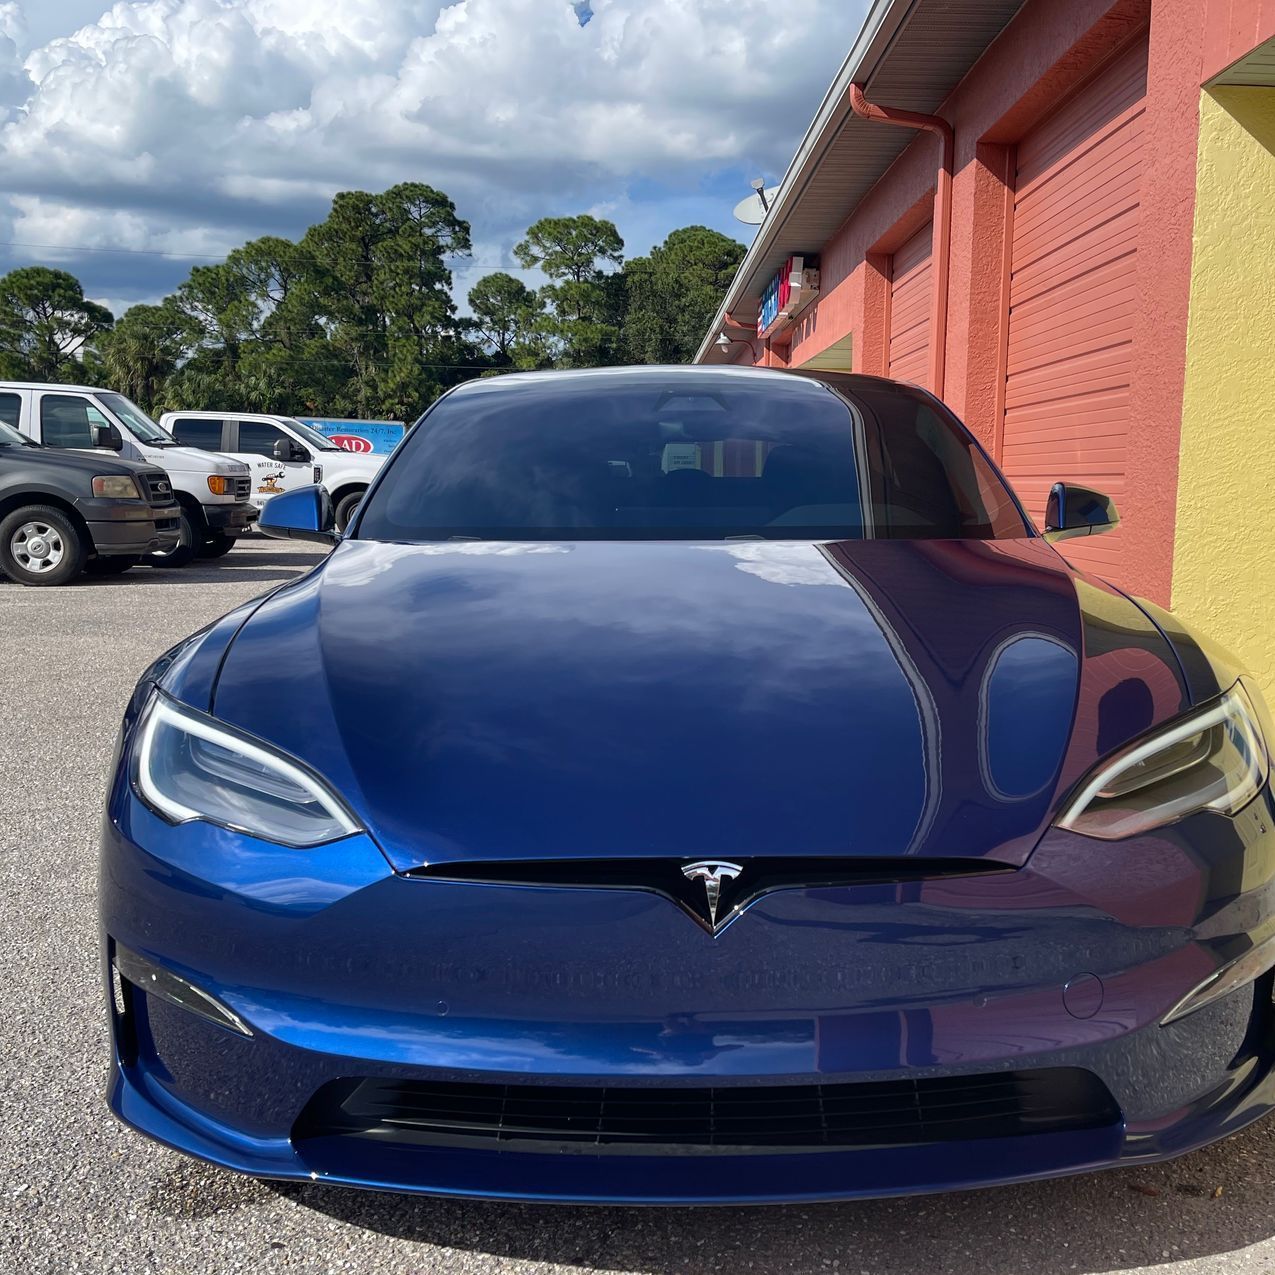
(346, 506)
(216, 546)
(182, 552)
(40, 546)
(113, 566)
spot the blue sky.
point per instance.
(47, 19)
(184, 127)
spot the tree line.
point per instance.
(357, 318)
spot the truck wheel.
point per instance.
(216, 546)
(40, 545)
(345, 508)
(112, 566)
(182, 552)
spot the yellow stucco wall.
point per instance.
(1224, 548)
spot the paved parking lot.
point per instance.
(79, 1193)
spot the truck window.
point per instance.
(10, 409)
(65, 422)
(258, 437)
(198, 431)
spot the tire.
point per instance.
(346, 506)
(41, 547)
(182, 552)
(217, 546)
(113, 566)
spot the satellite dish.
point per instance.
(752, 210)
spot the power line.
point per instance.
(221, 259)
(212, 356)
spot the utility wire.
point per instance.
(215, 357)
(207, 256)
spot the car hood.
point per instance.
(190, 460)
(96, 464)
(873, 699)
(361, 462)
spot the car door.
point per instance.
(11, 408)
(207, 433)
(71, 421)
(259, 444)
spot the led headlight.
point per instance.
(188, 766)
(1214, 758)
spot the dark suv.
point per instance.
(62, 513)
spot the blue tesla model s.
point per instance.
(690, 785)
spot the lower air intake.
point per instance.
(732, 1120)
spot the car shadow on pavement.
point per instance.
(148, 579)
(260, 566)
(1212, 1202)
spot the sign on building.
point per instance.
(792, 289)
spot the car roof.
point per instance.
(670, 374)
(226, 414)
(49, 385)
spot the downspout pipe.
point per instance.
(942, 214)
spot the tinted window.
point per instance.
(10, 409)
(9, 437)
(65, 421)
(321, 442)
(258, 437)
(195, 431)
(141, 425)
(629, 456)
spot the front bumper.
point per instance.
(128, 527)
(231, 519)
(345, 970)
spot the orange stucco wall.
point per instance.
(1045, 52)
(1233, 28)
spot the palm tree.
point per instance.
(141, 353)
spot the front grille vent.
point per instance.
(735, 1120)
(668, 877)
(243, 488)
(159, 491)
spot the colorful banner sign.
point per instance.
(366, 437)
(794, 286)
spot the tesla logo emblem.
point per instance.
(712, 872)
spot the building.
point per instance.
(1060, 216)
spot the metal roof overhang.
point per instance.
(911, 54)
(1253, 70)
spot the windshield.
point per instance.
(627, 456)
(137, 421)
(9, 437)
(321, 442)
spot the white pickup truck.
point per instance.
(283, 454)
(212, 491)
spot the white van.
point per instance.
(212, 491)
(283, 454)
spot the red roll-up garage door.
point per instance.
(911, 310)
(1072, 298)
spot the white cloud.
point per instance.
(196, 121)
(15, 84)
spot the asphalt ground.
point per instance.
(79, 1193)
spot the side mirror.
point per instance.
(1078, 511)
(107, 436)
(286, 449)
(305, 513)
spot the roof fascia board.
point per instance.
(883, 22)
